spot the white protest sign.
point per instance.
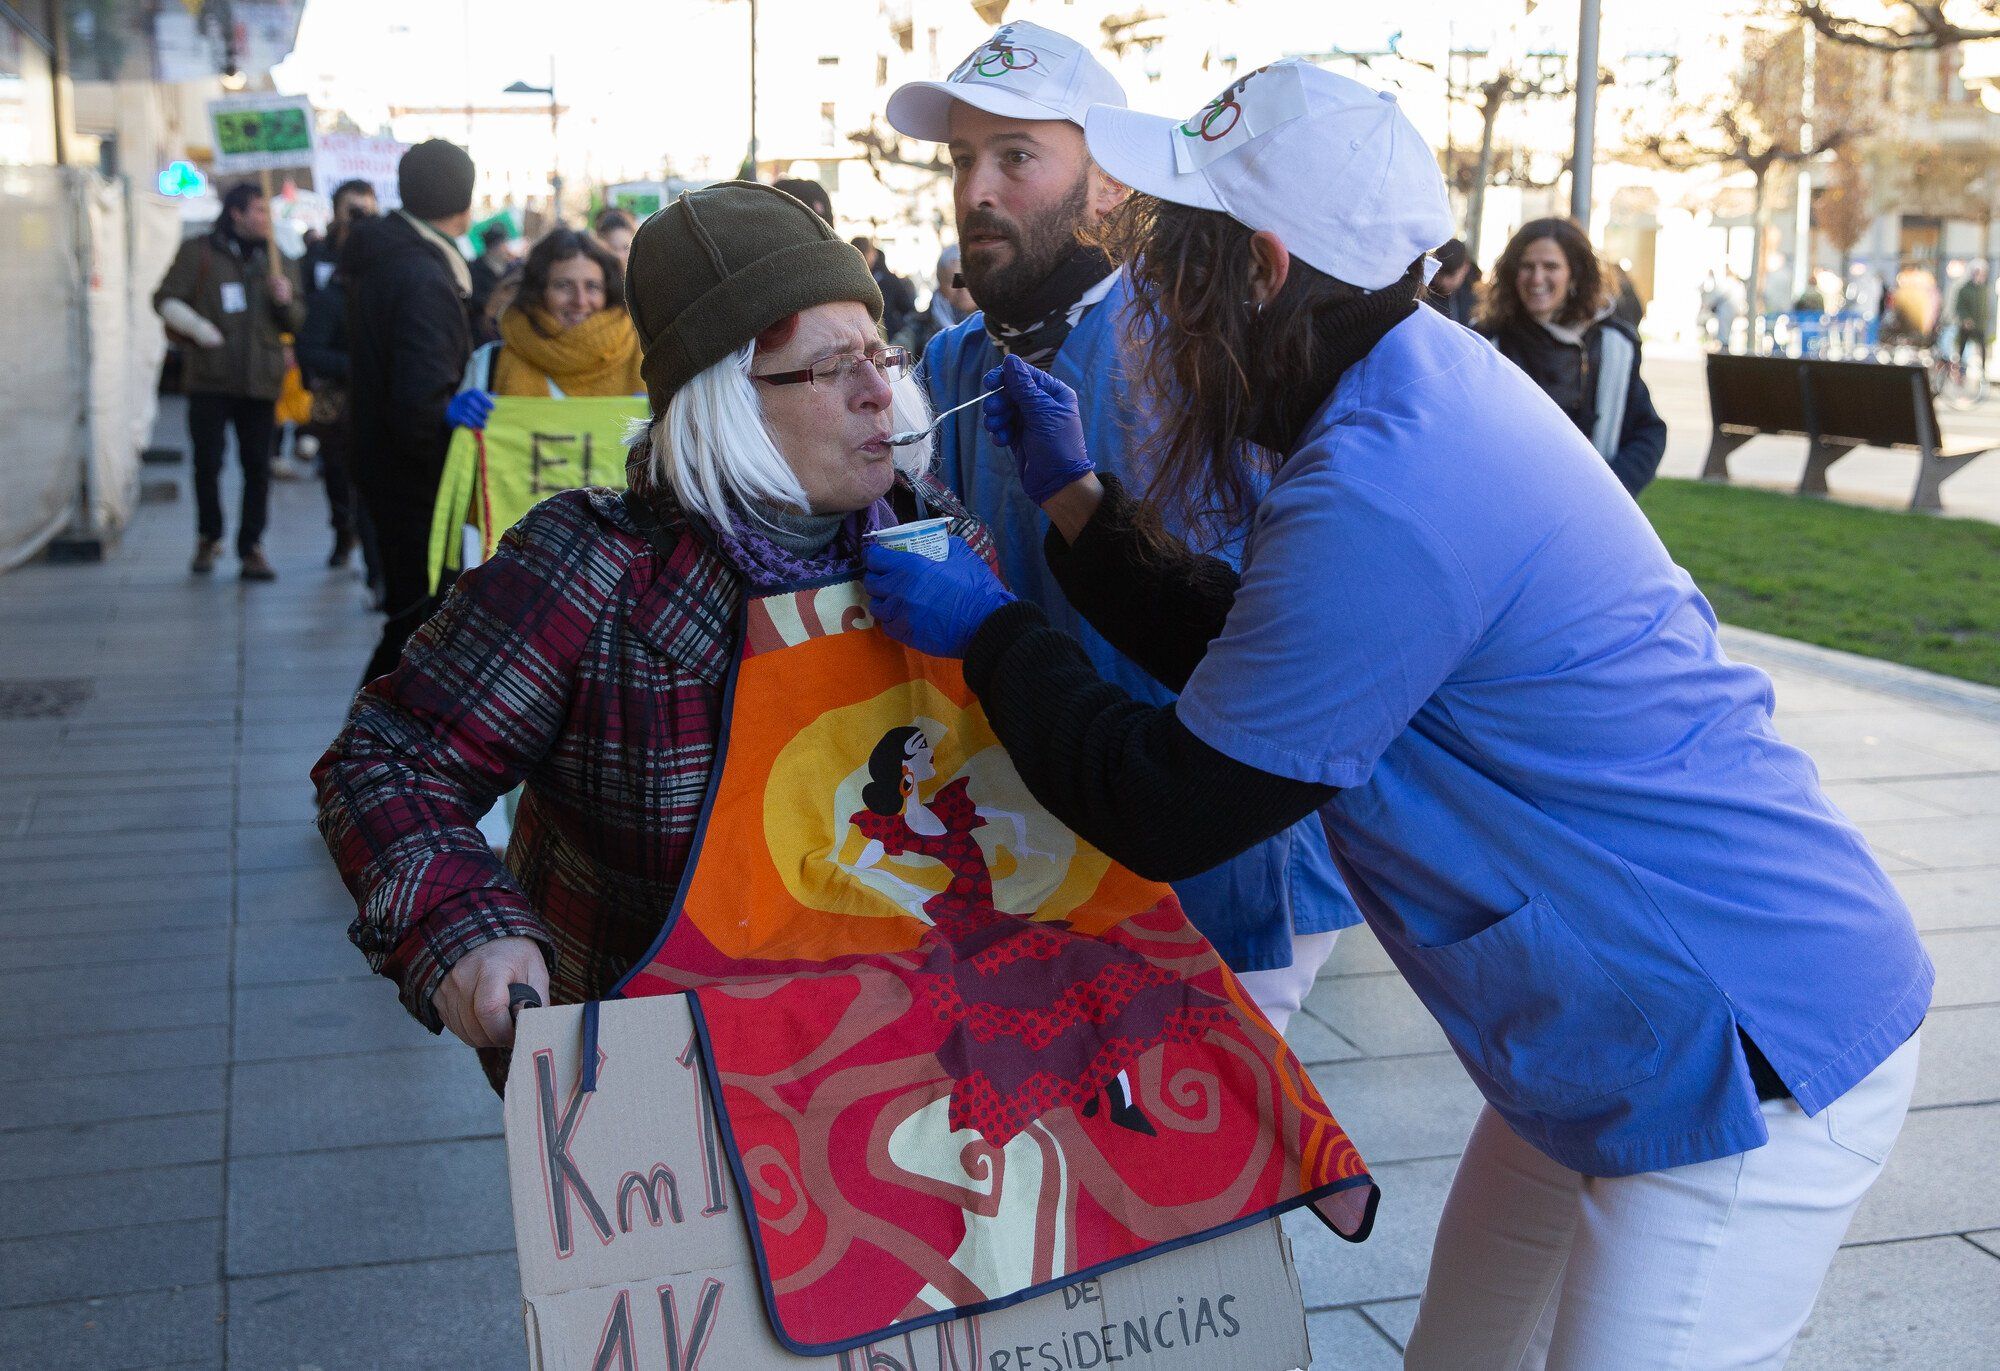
(342, 157)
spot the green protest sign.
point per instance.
(530, 449)
(261, 132)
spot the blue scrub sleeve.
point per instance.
(1353, 610)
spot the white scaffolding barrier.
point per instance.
(42, 362)
(80, 353)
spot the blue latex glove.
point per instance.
(935, 607)
(1036, 415)
(469, 409)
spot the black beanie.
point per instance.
(435, 180)
(721, 264)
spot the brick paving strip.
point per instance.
(225, 1144)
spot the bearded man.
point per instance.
(1025, 192)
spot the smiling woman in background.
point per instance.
(1549, 312)
(567, 332)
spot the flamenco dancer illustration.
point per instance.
(1040, 1016)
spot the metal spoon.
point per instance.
(917, 435)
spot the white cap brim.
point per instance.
(922, 109)
(1137, 150)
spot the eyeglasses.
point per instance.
(828, 372)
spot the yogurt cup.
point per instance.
(926, 537)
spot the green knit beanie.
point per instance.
(719, 265)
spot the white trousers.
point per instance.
(1279, 993)
(1709, 1267)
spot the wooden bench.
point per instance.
(1836, 407)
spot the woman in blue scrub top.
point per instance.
(1688, 994)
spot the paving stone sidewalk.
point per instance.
(225, 1144)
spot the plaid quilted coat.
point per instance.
(589, 666)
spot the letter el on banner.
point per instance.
(634, 1255)
(531, 448)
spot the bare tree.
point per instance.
(1757, 126)
(1534, 79)
(1948, 181)
(884, 147)
(1846, 207)
(1141, 28)
(1917, 27)
(1508, 164)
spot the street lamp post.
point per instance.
(1583, 151)
(751, 175)
(1802, 229)
(555, 136)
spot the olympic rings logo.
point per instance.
(1217, 120)
(1000, 60)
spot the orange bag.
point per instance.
(295, 402)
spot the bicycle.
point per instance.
(1960, 386)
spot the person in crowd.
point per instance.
(1454, 291)
(231, 296)
(811, 194)
(1731, 304)
(1626, 303)
(950, 301)
(586, 658)
(614, 228)
(899, 297)
(408, 339)
(1972, 309)
(321, 347)
(566, 332)
(352, 200)
(489, 268)
(1687, 991)
(1911, 309)
(1024, 189)
(1549, 311)
(1864, 291)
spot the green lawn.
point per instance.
(1911, 589)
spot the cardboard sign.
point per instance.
(635, 1256)
(261, 132)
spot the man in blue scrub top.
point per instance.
(1023, 184)
(1686, 990)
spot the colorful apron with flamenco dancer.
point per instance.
(962, 1057)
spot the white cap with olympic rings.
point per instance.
(1023, 71)
(1335, 169)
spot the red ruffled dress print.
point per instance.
(1040, 1016)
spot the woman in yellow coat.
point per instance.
(567, 332)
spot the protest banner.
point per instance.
(260, 133)
(342, 157)
(531, 448)
(635, 1256)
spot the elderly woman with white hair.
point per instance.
(587, 660)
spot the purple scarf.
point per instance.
(767, 565)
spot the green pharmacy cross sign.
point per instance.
(182, 180)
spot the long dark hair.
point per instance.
(1589, 288)
(884, 792)
(559, 245)
(1218, 371)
